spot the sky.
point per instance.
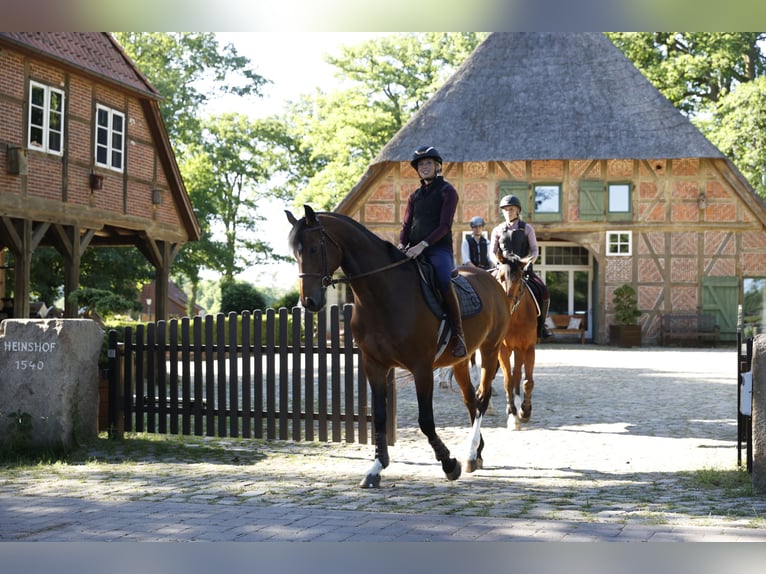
(293, 62)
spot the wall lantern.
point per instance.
(156, 196)
(96, 181)
(702, 201)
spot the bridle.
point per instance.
(520, 291)
(326, 278)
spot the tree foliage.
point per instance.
(338, 134)
(228, 172)
(716, 78)
(189, 69)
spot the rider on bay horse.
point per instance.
(427, 229)
(517, 237)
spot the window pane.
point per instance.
(547, 198)
(54, 141)
(54, 122)
(102, 118)
(36, 137)
(558, 285)
(580, 291)
(38, 96)
(619, 198)
(117, 159)
(101, 155)
(56, 100)
(36, 117)
(102, 137)
(117, 123)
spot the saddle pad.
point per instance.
(470, 304)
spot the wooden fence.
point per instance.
(281, 375)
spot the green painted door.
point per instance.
(720, 297)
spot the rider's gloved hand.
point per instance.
(416, 249)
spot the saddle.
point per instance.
(470, 303)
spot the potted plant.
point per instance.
(626, 332)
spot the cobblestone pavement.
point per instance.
(623, 445)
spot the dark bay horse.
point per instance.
(520, 340)
(393, 326)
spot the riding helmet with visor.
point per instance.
(477, 221)
(422, 153)
(509, 200)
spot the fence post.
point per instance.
(759, 414)
(115, 422)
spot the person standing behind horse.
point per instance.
(517, 237)
(427, 230)
(475, 249)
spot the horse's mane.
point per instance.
(391, 250)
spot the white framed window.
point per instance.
(46, 118)
(619, 243)
(110, 138)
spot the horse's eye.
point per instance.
(313, 250)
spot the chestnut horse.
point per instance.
(520, 341)
(393, 326)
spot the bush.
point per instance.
(288, 300)
(238, 296)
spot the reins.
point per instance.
(326, 279)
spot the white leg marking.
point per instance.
(474, 439)
(375, 468)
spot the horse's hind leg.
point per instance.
(475, 441)
(379, 389)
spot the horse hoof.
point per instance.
(454, 474)
(473, 465)
(370, 481)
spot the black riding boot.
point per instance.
(452, 306)
(542, 330)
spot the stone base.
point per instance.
(49, 381)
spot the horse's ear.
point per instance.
(291, 217)
(311, 217)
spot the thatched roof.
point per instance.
(537, 96)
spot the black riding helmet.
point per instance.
(424, 152)
(510, 200)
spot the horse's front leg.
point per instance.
(525, 409)
(378, 380)
(424, 388)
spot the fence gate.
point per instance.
(282, 375)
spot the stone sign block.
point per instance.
(49, 380)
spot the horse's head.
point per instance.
(509, 273)
(318, 257)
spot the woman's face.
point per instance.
(511, 212)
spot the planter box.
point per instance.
(625, 335)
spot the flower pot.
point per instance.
(625, 335)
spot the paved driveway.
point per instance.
(633, 444)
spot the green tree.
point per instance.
(694, 69)
(229, 170)
(716, 78)
(338, 134)
(189, 69)
(738, 129)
